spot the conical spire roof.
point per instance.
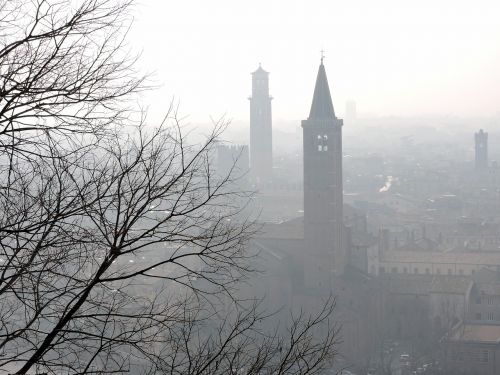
(322, 106)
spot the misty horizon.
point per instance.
(430, 58)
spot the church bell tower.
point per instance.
(323, 195)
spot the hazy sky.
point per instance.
(394, 57)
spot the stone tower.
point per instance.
(261, 132)
(481, 139)
(323, 196)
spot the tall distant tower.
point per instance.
(323, 196)
(350, 111)
(261, 132)
(481, 139)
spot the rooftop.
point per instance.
(288, 230)
(472, 258)
(450, 285)
(477, 333)
(407, 284)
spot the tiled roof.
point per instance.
(478, 333)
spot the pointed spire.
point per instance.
(322, 107)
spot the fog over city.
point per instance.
(395, 58)
(266, 187)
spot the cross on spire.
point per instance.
(322, 56)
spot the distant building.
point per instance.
(481, 143)
(232, 159)
(485, 297)
(473, 346)
(473, 349)
(418, 262)
(261, 132)
(350, 111)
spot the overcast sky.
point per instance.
(393, 57)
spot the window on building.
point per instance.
(450, 272)
(394, 270)
(460, 272)
(484, 356)
(490, 316)
(427, 271)
(478, 316)
(478, 300)
(405, 270)
(381, 270)
(415, 271)
(490, 300)
(438, 271)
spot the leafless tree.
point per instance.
(65, 69)
(120, 249)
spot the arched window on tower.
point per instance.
(322, 142)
